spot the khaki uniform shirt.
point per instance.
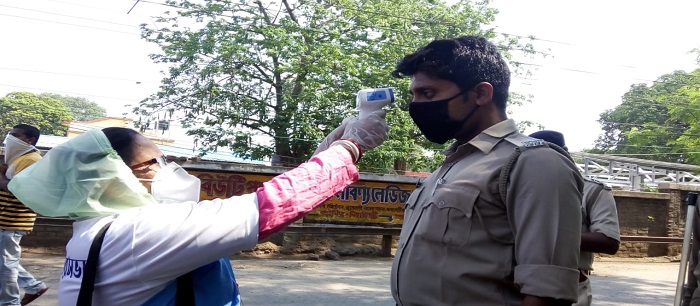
(599, 216)
(461, 245)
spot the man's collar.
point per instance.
(488, 138)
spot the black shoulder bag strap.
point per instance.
(184, 295)
(185, 290)
(90, 271)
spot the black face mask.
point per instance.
(433, 119)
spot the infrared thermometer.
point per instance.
(373, 99)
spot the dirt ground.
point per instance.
(277, 279)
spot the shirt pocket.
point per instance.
(447, 217)
(410, 206)
(408, 213)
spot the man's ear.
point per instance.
(484, 93)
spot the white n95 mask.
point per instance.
(172, 184)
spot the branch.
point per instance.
(279, 10)
(290, 11)
(268, 79)
(263, 11)
(255, 128)
(275, 62)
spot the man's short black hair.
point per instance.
(122, 141)
(29, 131)
(465, 61)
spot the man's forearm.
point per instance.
(598, 243)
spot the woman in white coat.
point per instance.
(160, 245)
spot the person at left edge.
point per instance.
(16, 219)
(158, 230)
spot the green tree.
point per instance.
(82, 109)
(658, 121)
(686, 109)
(47, 114)
(289, 70)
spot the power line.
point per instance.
(677, 105)
(92, 7)
(273, 25)
(430, 22)
(72, 74)
(69, 24)
(646, 125)
(68, 92)
(650, 147)
(582, 71)
(649, 154)
(411, 19)
(323, 32)
(677, 135)
(453, 25)
(643, 146)
(69, 16)
(135, 3)
(598, 73)
(413, 47)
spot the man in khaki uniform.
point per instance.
(600, 228)
(461, 243)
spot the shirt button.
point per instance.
(441, 204)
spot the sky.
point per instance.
(596, 51)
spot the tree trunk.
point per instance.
(400, 166)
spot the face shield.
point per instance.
(83, 177)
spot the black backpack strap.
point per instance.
(87, 285)
(185, 290)
(184, 295)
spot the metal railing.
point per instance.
(632, 173)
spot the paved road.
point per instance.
(364, 281)
(634, 283)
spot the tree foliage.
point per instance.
(47, 114)
(289, 70)
(81, 108)
(659, 121)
